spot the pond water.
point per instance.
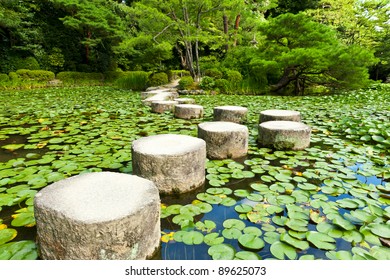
(330, 201)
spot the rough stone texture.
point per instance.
(159, 95)
(191, 92)
(284, 135)
(236, 114)
(98, 216)
(188, 111)
(279, 115)
(175, 163)
(224, 139)
(162, 106)
(185, 100)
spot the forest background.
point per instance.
(221, 46)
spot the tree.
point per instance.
(306, 52)
(97, 23)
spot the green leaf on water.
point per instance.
(246, 255)
(7, 234)
(299, 244)
(280, 250)
(321, 240)
(213, 239)
(222, 252)
(251, 241)
(381, 230)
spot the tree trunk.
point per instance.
(226, 30)
(289, 75)
(89, 35)
(236, 26)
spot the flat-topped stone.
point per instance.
(175, 163)
(98, 215)
(185, 100)
(279, 115)
(188, 111)
(163, 106)
(224, 139)
(284, 135)
(236, 114)
(161, 95)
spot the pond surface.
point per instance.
(330, 201)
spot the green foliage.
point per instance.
(234, 77)
(29, 63)
(186, 82)
(80, 78)
(134, 80)
(207, 83)
(158, 79)
(176, 74)
(223, 85)
(213, 73)
(35, 75)
(3, 78)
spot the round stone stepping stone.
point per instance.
(284, 135)
(236, 114)
(224, 139)
(185, 100)
(175, 163)
(279, 115)
(188, 111)
(163, 106)
(98, 216)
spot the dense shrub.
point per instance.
(186, 82)
(112, 76)
(207, 83)
(158, 79)
(213, 73)
(80, 78)
(35, 75)
(234, 77)
(13, 76)
(176, 74)
(29, 63)
(134, 80)
(223, 85)
(4, 78)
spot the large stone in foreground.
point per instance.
(279, 115)
(175, 163)
(284, 135)
(188, 111)
(98, 216)
(224, 139)
(236, 114)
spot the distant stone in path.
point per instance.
(188, 111)
(236, 114)
(185, 100)
(279, 115)
(175, 163)
(224, 139)
(163, 106)
(284, 135)
(98, 216)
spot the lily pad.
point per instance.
(251, 241)
(246, 255)
(222, 252)
(213, 239)
(280, 250)
(321, 240)
(381, 230)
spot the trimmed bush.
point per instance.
(234, 77)
(158, 79)
(80, 78)
(4, 78)
(29, 63)
(35, 75)
(134, 80)
(223, 85)
(186, 82)
(207, 83)
(13, 76)
(213, 73)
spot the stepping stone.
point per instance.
(236, 114)
(160, 95)
(175, 163)
(188, 111)
(279, 115)
(98, 216)
(224, 139)
(162, 106)
(185, 100)
(284, 135)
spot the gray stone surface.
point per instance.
(163, 106)
(224, 139)
(284, 135)
(236, 114)
(159, 95)
(175, 163)
(185, 100)
(98, 216)
(279, 115)
(188, 111)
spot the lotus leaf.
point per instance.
(222, 252)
